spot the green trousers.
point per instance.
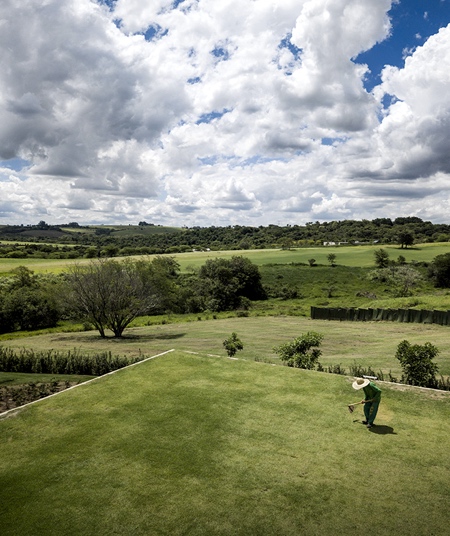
(371, 410)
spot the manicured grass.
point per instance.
(191, 444)
(367, 343)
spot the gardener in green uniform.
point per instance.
(372, 399)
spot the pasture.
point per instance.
(193, 444)
(355, 256)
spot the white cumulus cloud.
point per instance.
(202, 112)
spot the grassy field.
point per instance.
(195, 443)
(198, 445)
(369, 344)
(361, 256)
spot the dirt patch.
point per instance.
(19, 395)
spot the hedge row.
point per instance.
(70, 362)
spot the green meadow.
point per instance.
(192, 442)
(188, 443)
(355, 256)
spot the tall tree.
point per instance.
(439, 270)
(405, 239)
(225, 282)
(111, 294)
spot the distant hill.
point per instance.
(152, 238)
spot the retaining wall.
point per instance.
(370, 315)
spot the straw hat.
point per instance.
(359, 383)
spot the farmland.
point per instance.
(353, 256)
(192, 442)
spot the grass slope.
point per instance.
(191, 444)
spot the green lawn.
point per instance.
(361, 256)
(198, 445)
(367, 343)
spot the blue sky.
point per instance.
(218, 113)
(413, 22)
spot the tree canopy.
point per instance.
(111, 294)
(226, 282)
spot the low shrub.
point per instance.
(53, 362)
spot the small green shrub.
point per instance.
(232, 345)
(302, 352)
(417, 365)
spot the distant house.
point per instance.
(329, 243)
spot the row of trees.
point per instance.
(129, 240)
(109, 294)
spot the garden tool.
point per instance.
(351, 407)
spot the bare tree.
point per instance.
(111, 294)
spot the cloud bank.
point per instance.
(200, 112)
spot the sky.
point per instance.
(231, 112)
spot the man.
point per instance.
(372, 399)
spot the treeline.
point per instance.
(108, 294)
(144, 239)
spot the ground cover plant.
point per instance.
(12, 397)
(17, 389)
(192, 444)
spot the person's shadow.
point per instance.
(382, 429)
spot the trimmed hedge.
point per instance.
(53, 362)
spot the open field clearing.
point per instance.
(192, 444)
(367, 343)
(345, 255)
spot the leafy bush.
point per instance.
(439, 270)
(232, 345)
(381, 258)
(417, 365)
(224, 283)
(302, 352)
(28, 301)
(31, 308)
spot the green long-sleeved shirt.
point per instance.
(372, 392)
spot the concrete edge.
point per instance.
(9, 411)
